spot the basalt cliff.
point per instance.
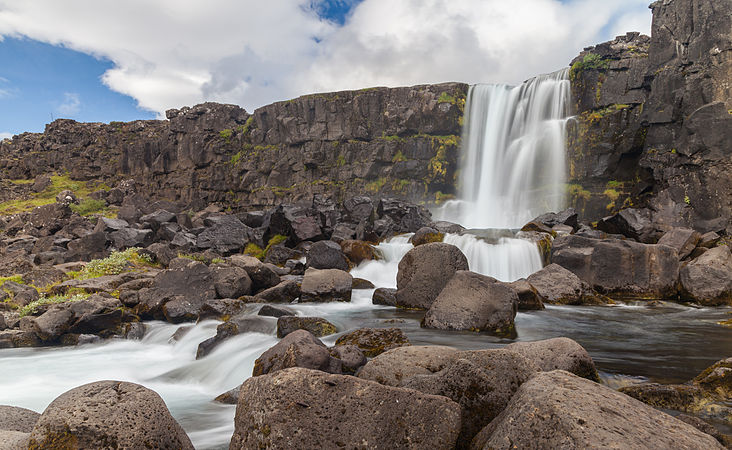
(652, 131)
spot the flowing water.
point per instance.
(513, 171)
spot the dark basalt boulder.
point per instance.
(222, 309)
(633, 223)
(474, 302)
(285, 292)
(276, 311)
(296, 222)
(528, 297)
(262, 276)
(326, 285)
(424, 271)
(230, 281)
(105, 413)
(301, 408)
(243, 323)
(558, 354)
(707, 279)
(298, 349)
(374, 341)
(19, 294)
(130, 237)
(225, 235)
(623, 269)
(567, 217)
(684, 240)
(326, 255)
(156, 219)
(482, 386)
(357, 209)
(555, 284)
(408, 218)
(560, 410)
(384, 296)
(318, 326)
(86, 248)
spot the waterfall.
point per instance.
(513, 146)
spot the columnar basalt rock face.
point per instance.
(653, 122)
(403, 141)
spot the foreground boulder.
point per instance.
(707, 280)
(475, 302)
(298, 349)
(560, 410)
(558, 354)
(13, 418)
(301, 408)
(402, 363)
(108, 414)
(617, 268)
(374, 341)
(482, 382)
(424, 271)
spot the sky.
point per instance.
(101, 61)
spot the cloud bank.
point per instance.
(170, 53)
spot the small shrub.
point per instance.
(114, 264)
(226, 134)
(33, 306)
(399, 157)
(89, 206)
(254, 250)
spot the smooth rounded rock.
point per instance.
(424, 271)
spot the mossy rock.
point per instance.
(317, 326)
(374, 341)
(716, 380)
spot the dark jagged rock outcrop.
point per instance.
(402, 141)
(653, 125)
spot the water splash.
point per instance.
(514, 156)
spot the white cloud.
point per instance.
(170, 53)
(71, 105)
(5, 135)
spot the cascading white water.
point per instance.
(506, 260)
(513, 146)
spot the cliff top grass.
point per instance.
(58, 183)
(114, 264)
(33, 306)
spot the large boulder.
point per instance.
(560, 410)
(285, 292)
(13, 418)
(374, 341)
(326, 285)
(481, 382)
(298, 349)
(475, 302)
(326, 255)
(558, 353)
(300, 408)
(620, 268)
(707, 280)
(555, 284)
(230, 281)
(684, 240)
(225, 235)
(262, 275)
(402, 363)
(424, 271)
(108, 414)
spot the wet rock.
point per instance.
(230, 282)
(236, 325)
(97, 414)
(352, 358)
(326, 255)
(474, 302)
(13, 418)
(358, 251)
(482, 387)
(558, 409)
(326, 285)
(684, 240)
(298, 349)
(716, 380)
(360, 283)
(384, 296)
(221, 309)
(567, 217)
(285, 292)
(374, 341)
(318, 326)
(537, 227)
(300, 408)
(667, 396)
(275, 311)
(18, 339)
(447, 227)
(230, 397)
(424, 271)
(558, 353)
(617, 268)
(178, 295)
(555, 284)
(528, 297)
(425, 235)
(50, 325)
(135, 331)
(402, 363)
(707, 279)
